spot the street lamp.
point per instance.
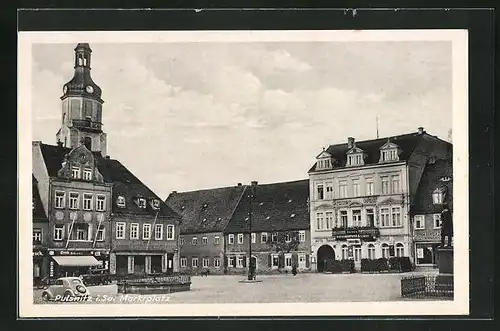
(251, 267)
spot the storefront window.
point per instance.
(426, 253)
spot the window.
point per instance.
(302, 236)
(134, 231)
(194, 262)
(384, 217)
(385, 251)
(343, 218)
(275, 261)
(343, 189)
(87, 201)
(370, 186)
(100, 233)
(216, 240)
(355, 188)
(75, 172)
(204, 240)
(101, 199)
(345, 254)
(356, 218)
(159, 232)
(288, 260)
(37, 236)
(253, 236)
(194, 241)
(120, 201)
(231, 239)
(170, 232)
(263, 237)
(217, 262)
(385, 184)
(400, 250)
(320, 191)
(396, 216)
(87, 174)
(274, 237)
(181, 241)
(81, 233)
(329, 190)
(74, 198)
(60, 199)
(240, 238)
(239, 262)
(355, 159)
(324, 164)
(371, 252)
(120, 230)
(156, 203)
(437, 196)
(419, 221)
(142, 203)
(396, 184)
(390, 155)
(320, 220)
(206, 262)
(437, 221)
(146, 231)
(58, 232)
(370, 217)
(357, 253)
(288, 238)
(184, 262)
(329, 219)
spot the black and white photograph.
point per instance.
(247, 173)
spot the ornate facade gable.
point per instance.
(81, 159)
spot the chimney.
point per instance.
(107, 157)
(254, 183)
(350, 142)
(239, 184)
(420, 130)
(174, 192)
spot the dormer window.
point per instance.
(87, 174)
(156, 203)
(120, 202)
(438, 196)
(389, 152)
(324, 161)
(142, 203)
(75, 172)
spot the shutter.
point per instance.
(307, 261)
(270, 260)
(130, 264)
(244, 262)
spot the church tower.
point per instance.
(82, 107)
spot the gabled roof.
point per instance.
(276, 207)
(406, 142)
(205, 210)
(38, 211)
(125, 183)
(431, 180)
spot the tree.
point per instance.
(283, 242)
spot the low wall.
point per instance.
(155, 285)
(427, 286)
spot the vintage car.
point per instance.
(97, 277)
(65, 287)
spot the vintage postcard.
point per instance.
(243, 173)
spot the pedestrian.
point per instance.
(446, 225)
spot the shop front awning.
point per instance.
(76, 261)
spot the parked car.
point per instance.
(97, 277)
(65, 287)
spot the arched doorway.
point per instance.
(325, 253)
(253, 261)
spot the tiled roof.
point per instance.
(205, 210)
(124, 182)
(276, 207)
(431, 180)
(38, 211)
(406, 142)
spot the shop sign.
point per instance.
(73, 253)
(366, 234)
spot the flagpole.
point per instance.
(71, 230)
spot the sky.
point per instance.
(185, 116)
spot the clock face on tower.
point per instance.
(89, 89)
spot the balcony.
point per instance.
(366, 233)
(87, 125)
